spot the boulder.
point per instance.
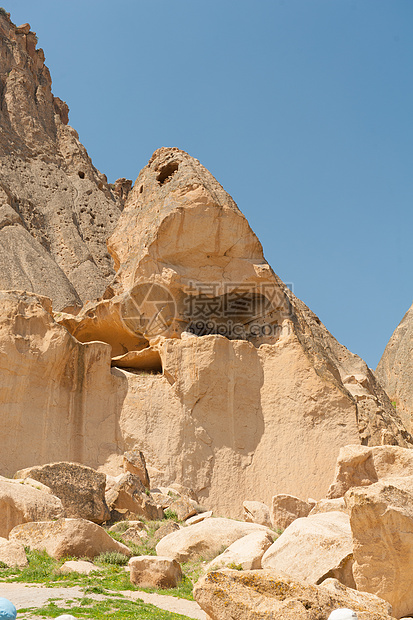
(245, 553)
(359, 466)
(329, 505)
(199, 517)
(381, 517)
(12, 553)
(182, 490)
(257, 512)
(79, 566)
(21, 503)
(205, 539)
(148, 571)
(134, 462)
(286, 508)
(81, 488)
(313, 549)
(67, 537)
(166, 528)
(122, 526)
(162, 500)
(127, 499)
(263, 594)
(135, 534)
(183, 508)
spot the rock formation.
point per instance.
(395, 369)
(187, 347)
(56, 209)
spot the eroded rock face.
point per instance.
(395, 369)
(56, 209)
(381, 517)
(361, 466)
(59, 398)
(147, 571)
(263, 594)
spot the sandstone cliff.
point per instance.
(395, 369)
(56, 209)
(190, 349)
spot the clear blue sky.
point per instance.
(302, 109)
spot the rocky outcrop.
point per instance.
(313, 549)
(81, 489)
(395, 369)
(56, 209)
(257, 512)
(381, 517)
(359, 466)
(67, 537)
(59, 398)
(21, 503)
(245, 553)
(127, 499)
(263, 594)
(12, 553)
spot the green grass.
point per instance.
(115, 609)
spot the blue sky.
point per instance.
(302, 109)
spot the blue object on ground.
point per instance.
(7, 610)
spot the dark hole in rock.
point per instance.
(81, 174)
(167, 171)
(141, 189)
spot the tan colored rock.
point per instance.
(126, 496)
(313, 549)
(263, 594)
(81, 488)
(329, 505)
(162, 500)
(148, 571)
(183, 508)
(21, 503)
(134, 462)
(205, 539)
(121, 526)
(286, 508)
(67, 537)
(59, 399)
(12, 553)
(135, 534)
(245, 553)
(381, 517)
(257, 512)
(199, 517)
(182, 490)
(395, 369)
(361, 466)
(79, 566)
(166, 528)
(65, 205)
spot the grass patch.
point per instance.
(116, 609)
(111, 557)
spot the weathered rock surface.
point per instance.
(79, 566)
(263, 594)
(134, 462)
(245, 553)
(12, 553)
(286, 508)
(257, 512)
(381, 517)
(206, 539)
(395, 369)
(60, 209)
(329, 505)
(67, 537)
(148, 571)
(359, 466)
(184, 508)
(126, 496)
(166, 528)
(21, 503)
(313, 549)
(80, 488)
(199, 517)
